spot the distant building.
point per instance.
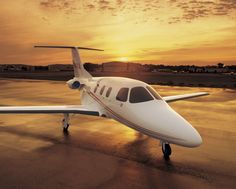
(60, 67)
(134, 67)
(114, 67)
(121, 67)
(16, 67)
(214, 69)
(93, 67)
(163, 70)
(1, 68)
(40, 68)
(200, 69)
(209, 69)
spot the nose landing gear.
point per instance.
(166, 149)
(65, 122)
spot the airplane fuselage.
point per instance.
(115, 97)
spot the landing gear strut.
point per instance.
(166, 149)
(65, 122)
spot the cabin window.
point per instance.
(139, 94)
(108, 92)
(102, 89)
(122, 94)
(95, 89)
(154, 93)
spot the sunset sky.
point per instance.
(200, 32)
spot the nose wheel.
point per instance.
(166, 149)
(65, 122)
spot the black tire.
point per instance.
(166, 149)
(65, 129)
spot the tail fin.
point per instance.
(79, 70)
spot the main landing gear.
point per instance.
(166, 149)
(65, 122)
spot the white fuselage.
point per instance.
(153, 117)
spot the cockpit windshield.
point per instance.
(154, 93)
(139, 94)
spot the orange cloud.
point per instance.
(150, 31)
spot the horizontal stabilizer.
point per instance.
(66, 47)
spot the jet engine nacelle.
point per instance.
(74, 84)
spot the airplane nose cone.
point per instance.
(184, 131)
(177, 129)
(194, 139)
(163, 123)
(189, 135)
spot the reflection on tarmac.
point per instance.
(101, 153)
(136, 150)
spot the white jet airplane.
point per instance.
(130, 102)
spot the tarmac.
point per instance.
(102, 153)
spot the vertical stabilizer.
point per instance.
(79, 70)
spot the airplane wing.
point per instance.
(184, 96)
(77, 109)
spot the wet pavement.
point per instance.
(102, 153)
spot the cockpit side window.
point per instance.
(122, 94)
(139, 94)
(102, 89)
(154, 93)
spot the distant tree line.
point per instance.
(220, 67)
(122, 67)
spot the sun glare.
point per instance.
(124, 59)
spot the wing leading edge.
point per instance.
(184, 96)
(76, 109)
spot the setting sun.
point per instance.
(124, 59)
